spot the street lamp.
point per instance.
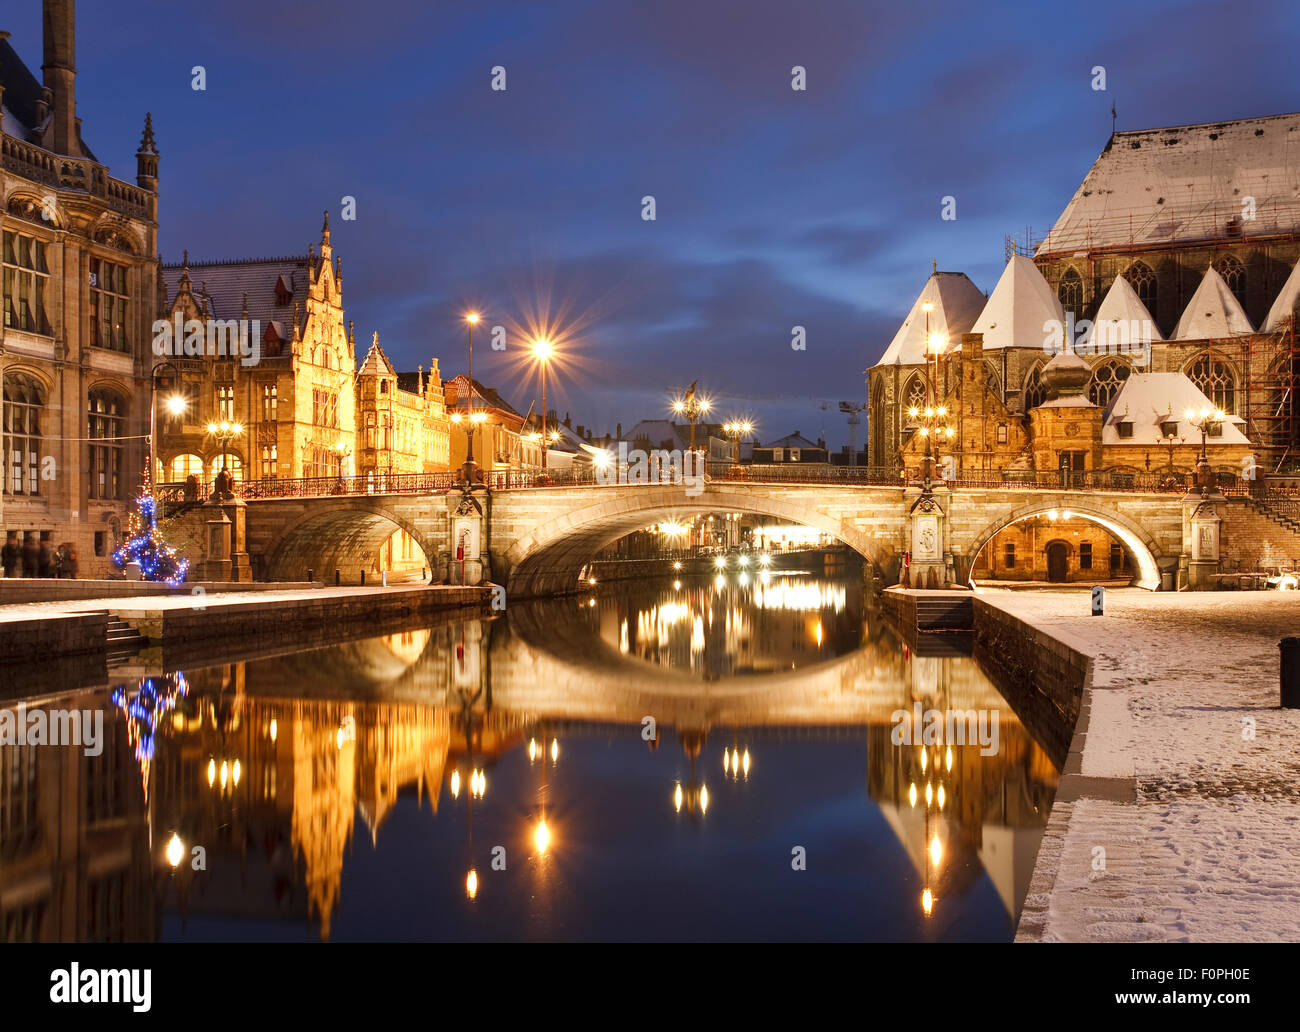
(175, 403)
(344, 453)
(471, 320)
(1204, 420)
(225, 432)
(692, 407)
(542, 351)
(736, 429)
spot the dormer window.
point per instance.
(1214, 429)
(1124, 428)
(283, 295)
(1169, 428)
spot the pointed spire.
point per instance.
(148, 144)
(325, 230)
(184, 286)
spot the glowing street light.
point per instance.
(543, 349)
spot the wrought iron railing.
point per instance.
(438, 483)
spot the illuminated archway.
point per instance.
(1137, 541)
(345, 538)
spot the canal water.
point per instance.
(718, 758)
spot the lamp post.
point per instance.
(471, 320)
(736, 429)
(1204, 420)
(176, 404)
(344, 453)
(692, 408)
(935, 413)
(542, 351)
(225, 432)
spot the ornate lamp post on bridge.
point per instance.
(692, 407)
(1204, 420)
(225, 432)
(736, 429)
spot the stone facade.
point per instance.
(79, 270)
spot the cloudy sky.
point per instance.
(775, 208)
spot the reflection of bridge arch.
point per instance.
(1141, 545)
(548, 557)
(342, 535)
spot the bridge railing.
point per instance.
(791, 473)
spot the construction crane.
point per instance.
(854, 411)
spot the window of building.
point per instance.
(1214, 430)
(225, 403)
(383, 386)
(1002, 433)
(1071, 292)
(24, 402)
(1124, 428)
(106, 419)
(1035, 392)
(108, 295)
(1215, 379)
(1143, 281)
(183, 466)
(1234, 275)
(26, 279)
(232, 463)
(1085, 555)
(1009, 558)
(270, 402)
(100, 541)
(915, 395)
(1169, 428)
(270, 464)
(1107, 379)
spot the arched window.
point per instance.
(1071, 292)
(1143, 281)
(1035, 393)
(106, 418)
(183, 466)
(24, 402)
(1234, 275)
(233, 464)
(876, 425)
(914, 396)
(1215, 379)
(1107, 379)
(992, 381)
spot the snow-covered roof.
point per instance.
(957, 301)
(1149, 399)
(794, 440)
(1186, 182)
(1018, 309)
(1213, 312)
(1284, 304)
(1122, 319)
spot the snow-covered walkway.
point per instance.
(1180, 820)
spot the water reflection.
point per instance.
(571, 772)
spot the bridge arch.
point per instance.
(1141, 545)
(343, 535)
(548, 558)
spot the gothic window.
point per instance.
(1234, 275)
(876, 425)
(26, 278)
(1106, 381)
(1143, 281)
(270, 463)
(108, 295)
(269, 402)
(1035, 393)
(915, 395)
(226, 403)
(992, 381)
(1071, 292)
(1215, 379)
(106, 418)
(24, 402)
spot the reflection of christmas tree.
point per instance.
(144, 707)
(145, 545)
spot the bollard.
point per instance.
(311, 576)
(363, 578)
(1098, 600)
(338, 577)
(1290, 672)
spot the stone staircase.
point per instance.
(945, 612)
(1285, 512)
(124, 640)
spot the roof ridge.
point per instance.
(1222, 122)
(237, 261)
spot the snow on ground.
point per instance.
(1184, 712)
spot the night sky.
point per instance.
(775, 208)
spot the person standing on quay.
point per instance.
(10, 555)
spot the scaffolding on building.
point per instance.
(1270, 366)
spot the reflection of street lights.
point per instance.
(1204, 420)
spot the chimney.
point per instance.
(61, 76)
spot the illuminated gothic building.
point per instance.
(1180, 246)
(79, 268)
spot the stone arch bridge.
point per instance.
(537, 540)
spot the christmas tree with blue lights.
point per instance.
(145, 543)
